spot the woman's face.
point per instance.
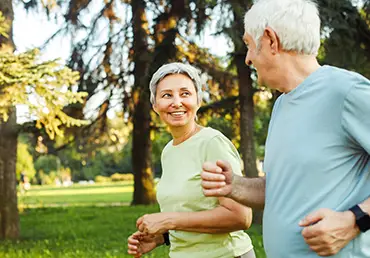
(176, 100)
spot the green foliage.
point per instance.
(42, 86)
(47, 163)
(262, 113)
(24, 162)
(159, 140)
(347, 31)
(223, 125)
(4, 26)
(104, 163)
(102, 179)
(116, 177)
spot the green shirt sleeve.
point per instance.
(356, 115)
(221, 148)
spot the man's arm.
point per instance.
(249, 191)
(365, 206)
(327, 231)
(219, 180)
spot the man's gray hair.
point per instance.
(175, 68)
(296, 23)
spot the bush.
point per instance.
(122, 177)
(102, 179)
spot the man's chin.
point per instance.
(260, 81)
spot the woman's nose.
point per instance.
(177, 102)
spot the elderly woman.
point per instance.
(198, 226)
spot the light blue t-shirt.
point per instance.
(317, 156)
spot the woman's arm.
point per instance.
(139, 243)
(228, 217)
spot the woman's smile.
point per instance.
(176, 101)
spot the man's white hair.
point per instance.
(175, 68)
(296, 23)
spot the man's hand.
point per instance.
(140, 243)
(156, 223)
(217, 179)
(327, 231)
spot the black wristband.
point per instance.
(362, 218)
(166, 238)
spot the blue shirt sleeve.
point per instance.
(356, 114)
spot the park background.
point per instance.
(79, 145)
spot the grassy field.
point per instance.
(77, 195)
(84, 231)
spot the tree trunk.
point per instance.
(246, 92)
(9, 217)
(248, 152)
(165, 32)
(144, 191)
(9, 227)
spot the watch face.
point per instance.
(364, 223)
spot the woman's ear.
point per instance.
(155, 108)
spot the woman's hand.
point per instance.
(140, 243)
(156, 223)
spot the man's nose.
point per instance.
(247, 59)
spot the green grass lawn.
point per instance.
(76, 195)
(77, 232)
(83, 231)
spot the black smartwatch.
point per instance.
(362, 218)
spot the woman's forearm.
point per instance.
(217, 220)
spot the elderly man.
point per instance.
(316, 193)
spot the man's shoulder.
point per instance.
(344, 77)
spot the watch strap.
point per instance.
(362, 218)
(166, 238)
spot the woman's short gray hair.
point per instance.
(175, 68)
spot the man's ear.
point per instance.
(273, 39)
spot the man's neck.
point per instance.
(295, 70)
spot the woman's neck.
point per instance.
(181, 134)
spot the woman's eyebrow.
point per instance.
(166, 90)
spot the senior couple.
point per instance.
(316, 193)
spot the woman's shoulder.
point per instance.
(209, 133)
(212, 134)
(167, 147)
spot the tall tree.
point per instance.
(246, 89)
(133, 49)
(144, 192)
(9, 220)
(345, 24)
(21, 75)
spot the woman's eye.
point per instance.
(166, 95)
(186, 93)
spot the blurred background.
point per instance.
(80, 146)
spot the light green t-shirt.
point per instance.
(179, 190)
